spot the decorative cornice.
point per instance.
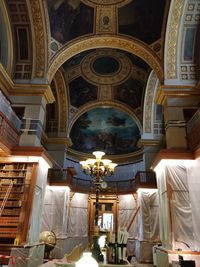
(151, 142)
(40, 37)
(33, 89)
(118, 42)
(172, 154)
(172, 39)
(59, 140)
(125, 158)
(174, 91)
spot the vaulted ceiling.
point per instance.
(98, 56)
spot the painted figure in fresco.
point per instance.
(68, 19)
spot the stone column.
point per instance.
(34, 101)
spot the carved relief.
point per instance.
(39, 38)
(106, 19)
(149, 103)
(60, 85)
(172, 41)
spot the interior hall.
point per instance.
(99, 133)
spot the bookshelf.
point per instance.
(17, 182)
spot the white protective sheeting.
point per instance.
(127, 209)
(164, 213)
(148, 217)
(27, 257)
(178, 191)
(194, 194)
(182, 228)
(54, 217)
(37, 205)
(78, 216)
(127, 218)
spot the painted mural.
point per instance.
(81, 92)
(105, 129)
(142, 19)
(189, 44)
(130, 93)
(69, 19)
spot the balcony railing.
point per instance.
(9, 135)
(193, 130)
(68, 177)
(144, 179)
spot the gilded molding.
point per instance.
(148, 104)
(172, 40)
(106, 2)
(105, 92)
(121, 74)
(125, 158)
(40, 36)
(106, 21)
(118, 42)
(63, 112)
(73, 73)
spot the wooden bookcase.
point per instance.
(17, 182)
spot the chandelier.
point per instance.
(97, 168)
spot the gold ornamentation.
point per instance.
(106, 2)
(149, 102)
(73, 73)
(130, 45)
(106, 19)
(40, 37)
(105, 92)
(63, 112)
(172, 40)
(121, 74)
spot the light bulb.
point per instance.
(87, 260)
(106, 162)
(98, 154)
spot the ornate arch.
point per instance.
(39, 31)
(96, 104)
(7, 38)
(62, 101)
(183, 17)
(148, 118)
(118, 42)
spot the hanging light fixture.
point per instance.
(98, 169)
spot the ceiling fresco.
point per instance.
(103, 76)
(69, 19)
(130, 92)
(105, 129)
(142, 20)
(81, 92)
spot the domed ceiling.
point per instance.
(105, 86)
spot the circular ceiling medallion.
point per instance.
(106, 66)
(107, 2)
